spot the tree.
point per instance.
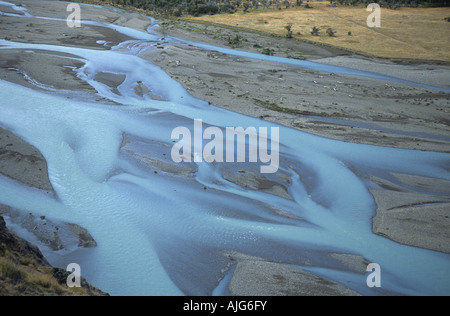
(246, 6)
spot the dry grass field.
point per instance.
(412, 33)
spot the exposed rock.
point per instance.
(54, 234)
(258, 182)
(355, 263)
(61, 276)
(257, 277)
(24, 271)
(411, 218)
(4, 209)
(22, 162)
(85, 239)
(17, 247)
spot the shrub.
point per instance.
(331, 32)
(289, 30)
(268, 51)
(235, 41)
(198, 8)
(315, 31)
(8, 270)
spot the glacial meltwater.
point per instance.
(168, 233)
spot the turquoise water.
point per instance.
(167, 234)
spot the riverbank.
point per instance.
(407, 34)
(287, 95)
(346, 108)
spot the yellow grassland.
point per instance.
(412, 33)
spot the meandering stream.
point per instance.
(168, 233)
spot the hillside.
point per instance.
(25, 272)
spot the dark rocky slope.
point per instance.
(25, 272)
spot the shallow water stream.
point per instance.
(166, 229)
